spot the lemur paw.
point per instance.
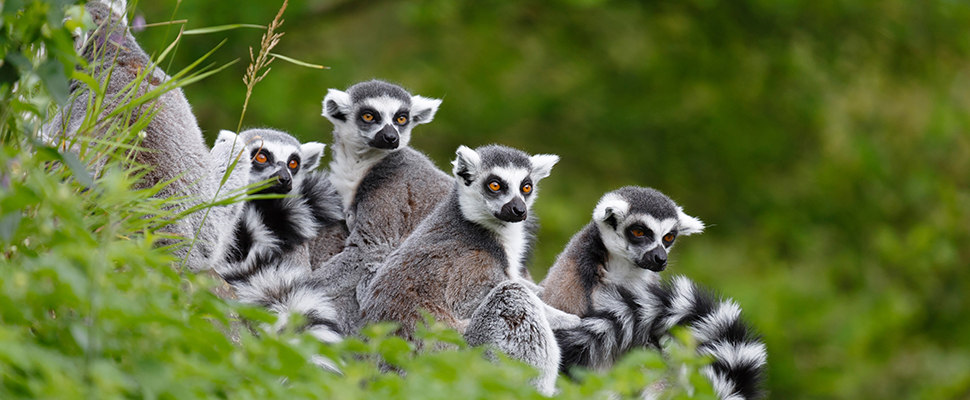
(560, 319)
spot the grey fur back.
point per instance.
(391, 200)
(176, 149)
(424, 272)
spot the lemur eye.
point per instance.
(401, 119)
(367, 117)
(669, 237)
(495, 186)
(294, 164)
(260, 158)
(527, 188)
(638, 232)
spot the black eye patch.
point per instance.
(495, 186)
(362, 123)
(257, 165)
(637, 233)
(401, 118)
(294, 163)
(527, 187)
(669, 238)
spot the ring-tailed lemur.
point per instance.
(387, 188)
(608, 274)
(463, 263)
(267, 257)
(175, 149)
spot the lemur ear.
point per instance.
(467, 165)
(687, 225)
(226, 136)
(542, 165)
(336, 106)
(423, 109)
(610, 210)
(311, 152)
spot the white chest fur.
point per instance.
(623, 273)
(348, 168)
(512, 237)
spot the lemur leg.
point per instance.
(513, 320)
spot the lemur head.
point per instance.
(641, 224)
(497, 184)
(275, 155)
(376, 115)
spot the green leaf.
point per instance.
(51, 72)
(87, 79)
(220, 28)
(298, 62)
(80, 172)
(22, 62)
(9, 225)
(12, 6)
(8, 73)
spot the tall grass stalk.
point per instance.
(255, 72)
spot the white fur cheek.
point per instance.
(474, 206)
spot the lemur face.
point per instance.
(275, 156)
(499, 184)
(377, 114)
(641, 225)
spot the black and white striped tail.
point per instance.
(285, 290)
(630, 320)
(739, 354)
(614, 327)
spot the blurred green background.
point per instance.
(824, 142)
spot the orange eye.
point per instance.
(638, 232)
(294, 164)
(669, 238)
(260, 158)
(367, 117)
(495, 186)
(527, 188)
(401, 120)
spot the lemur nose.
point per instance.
(513, 211)
(284, 179)
(387, 138)
(654, 260)
(389, 135)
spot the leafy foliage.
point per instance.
(91, 308)
(36, 50)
